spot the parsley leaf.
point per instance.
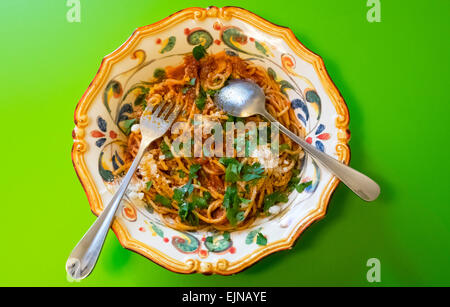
(159, 73)
(199, 202)
(187, 215)
(190, 84)
(166, 150)
(240, 216)
(294, 180)
(272, 199)
(231, 202)
(252, 172)
(211, 92)
(148, 185)
(236, 171)
(209, 240)
(200, 101)
(207, 196)
(284, 147)
(181, 173)
(180, 193)
(186, 208)
(140, 99)
(295, 172)
(233, 170)
(127, 125)
(199, 52)
(235, 119)
(193, 170)
(302, 186)
(163, 200)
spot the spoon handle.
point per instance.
(359, 183)
(84, 256)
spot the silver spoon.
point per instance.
(243, 98)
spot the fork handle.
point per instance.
(359, 183)
(85, 254)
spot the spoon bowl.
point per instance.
(241, 98)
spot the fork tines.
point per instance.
(165, 108)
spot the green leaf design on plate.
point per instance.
(285, 85)
(251, 235)
(261, 239)
(157, 230)
(113, 88)
(169, 45)
(125, 125)
(233, 36)
(200, 37)
(313, 98)
(272, 73)
(149, 208)
(186, 244)
(106, 175)
(261, 48)
(218, 243)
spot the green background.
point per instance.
(393, 76)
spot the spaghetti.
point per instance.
(191, 193)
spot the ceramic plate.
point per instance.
(99, 135)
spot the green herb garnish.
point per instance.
(127, 125)
(148, 185)
(252, 172)
(211, 92)
(284, 147)
(193, 170)
(199, 52)
(207, 196)
(240, 216)
(236, 171)
(181, 173)
(166, 202)
(166, 150)
(247, 188)
(233, 170)
(199, 202)
(180, 193)
(231, 203)
(140, 99)
(274, 198)
(302, 186)
(187, 215)
(200, 101)
(159, 73)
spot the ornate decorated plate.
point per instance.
(100, 138)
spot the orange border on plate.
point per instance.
(222, 266)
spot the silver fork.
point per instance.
(84, 256)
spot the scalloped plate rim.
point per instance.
(196, 13)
